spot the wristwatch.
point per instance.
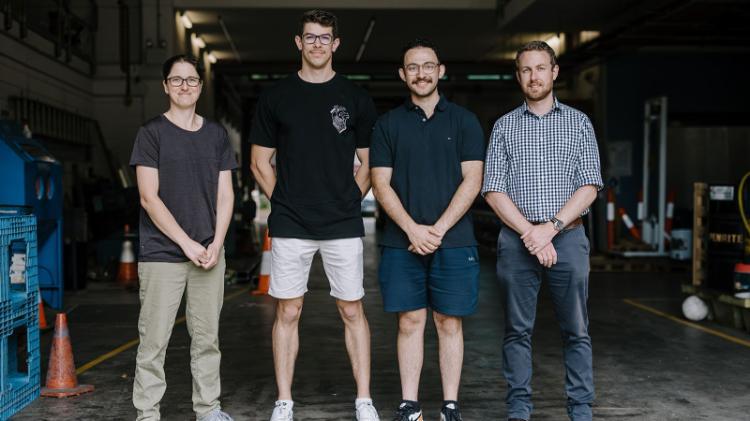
(558, 224)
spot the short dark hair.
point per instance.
(537, 46)
(322, 18)
(420, 43)
(184, 58)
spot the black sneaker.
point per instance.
(450, 412)
(408, 412)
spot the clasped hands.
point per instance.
(425, 239)
(538, 241)
(205, 257)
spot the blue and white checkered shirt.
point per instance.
(540, 161)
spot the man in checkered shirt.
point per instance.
(541, 176)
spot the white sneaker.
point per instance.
(283, 411)
(367, 412)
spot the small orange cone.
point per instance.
(629, 223)
(127, 274)
(264, 278)
(61, 375)
(42, 317)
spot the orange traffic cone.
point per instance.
(127, 274)
(42, 317)
(264, 278)
(629, 223)
(61, 375)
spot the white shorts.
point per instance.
(292, 258)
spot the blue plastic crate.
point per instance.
(19, 312)
(18, 234)
(18, 389)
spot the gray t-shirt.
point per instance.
(189, 164)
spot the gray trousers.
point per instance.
(161, 288)
(520, 275)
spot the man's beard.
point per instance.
(536, 96)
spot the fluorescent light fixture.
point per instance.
(186, 20)
(587, 36)
(484, 77)
(358, 77)
(197, 41)
(211, 58)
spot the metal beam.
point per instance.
(338, 4)
(372, 68)
(509, 10)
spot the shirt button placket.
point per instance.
(543, 162)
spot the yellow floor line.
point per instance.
(122, 348)
(710, 331)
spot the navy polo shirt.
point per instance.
(426, 155)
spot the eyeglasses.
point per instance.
(325, 39)
(427, 68)
(177, 81)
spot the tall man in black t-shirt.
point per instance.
(314, 121)
(184, 166)
(427, 158)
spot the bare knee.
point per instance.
(288, 311)
(412, 321)
(447, 325)
(350, 311)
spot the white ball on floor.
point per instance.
(694, 308)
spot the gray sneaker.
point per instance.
(216, 415)
(282, 412)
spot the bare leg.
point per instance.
(286, 343)
(451, 349)
(411, 351)
(357, 337)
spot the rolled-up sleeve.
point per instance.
(496, 166)
(588, 169)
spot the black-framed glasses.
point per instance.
(177, 81)
(325, 39)
(427, 68)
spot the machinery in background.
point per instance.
(654, 230)
(742, 269)
(32, 178)
(727, 240)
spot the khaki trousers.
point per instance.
(161, 288)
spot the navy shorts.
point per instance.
(446, 281)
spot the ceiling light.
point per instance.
(197, 41)
(587, 36)
(186, 20)
(211, 58)
(554, 43)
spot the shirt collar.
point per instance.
(555, 106)
(442, 104)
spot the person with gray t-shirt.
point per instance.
(184, 167)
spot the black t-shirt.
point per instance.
(315, 129)
(426, 155)
(189, 164)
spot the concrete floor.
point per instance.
(646, 367)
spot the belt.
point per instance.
(576, 222)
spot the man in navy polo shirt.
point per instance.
(427, 159)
